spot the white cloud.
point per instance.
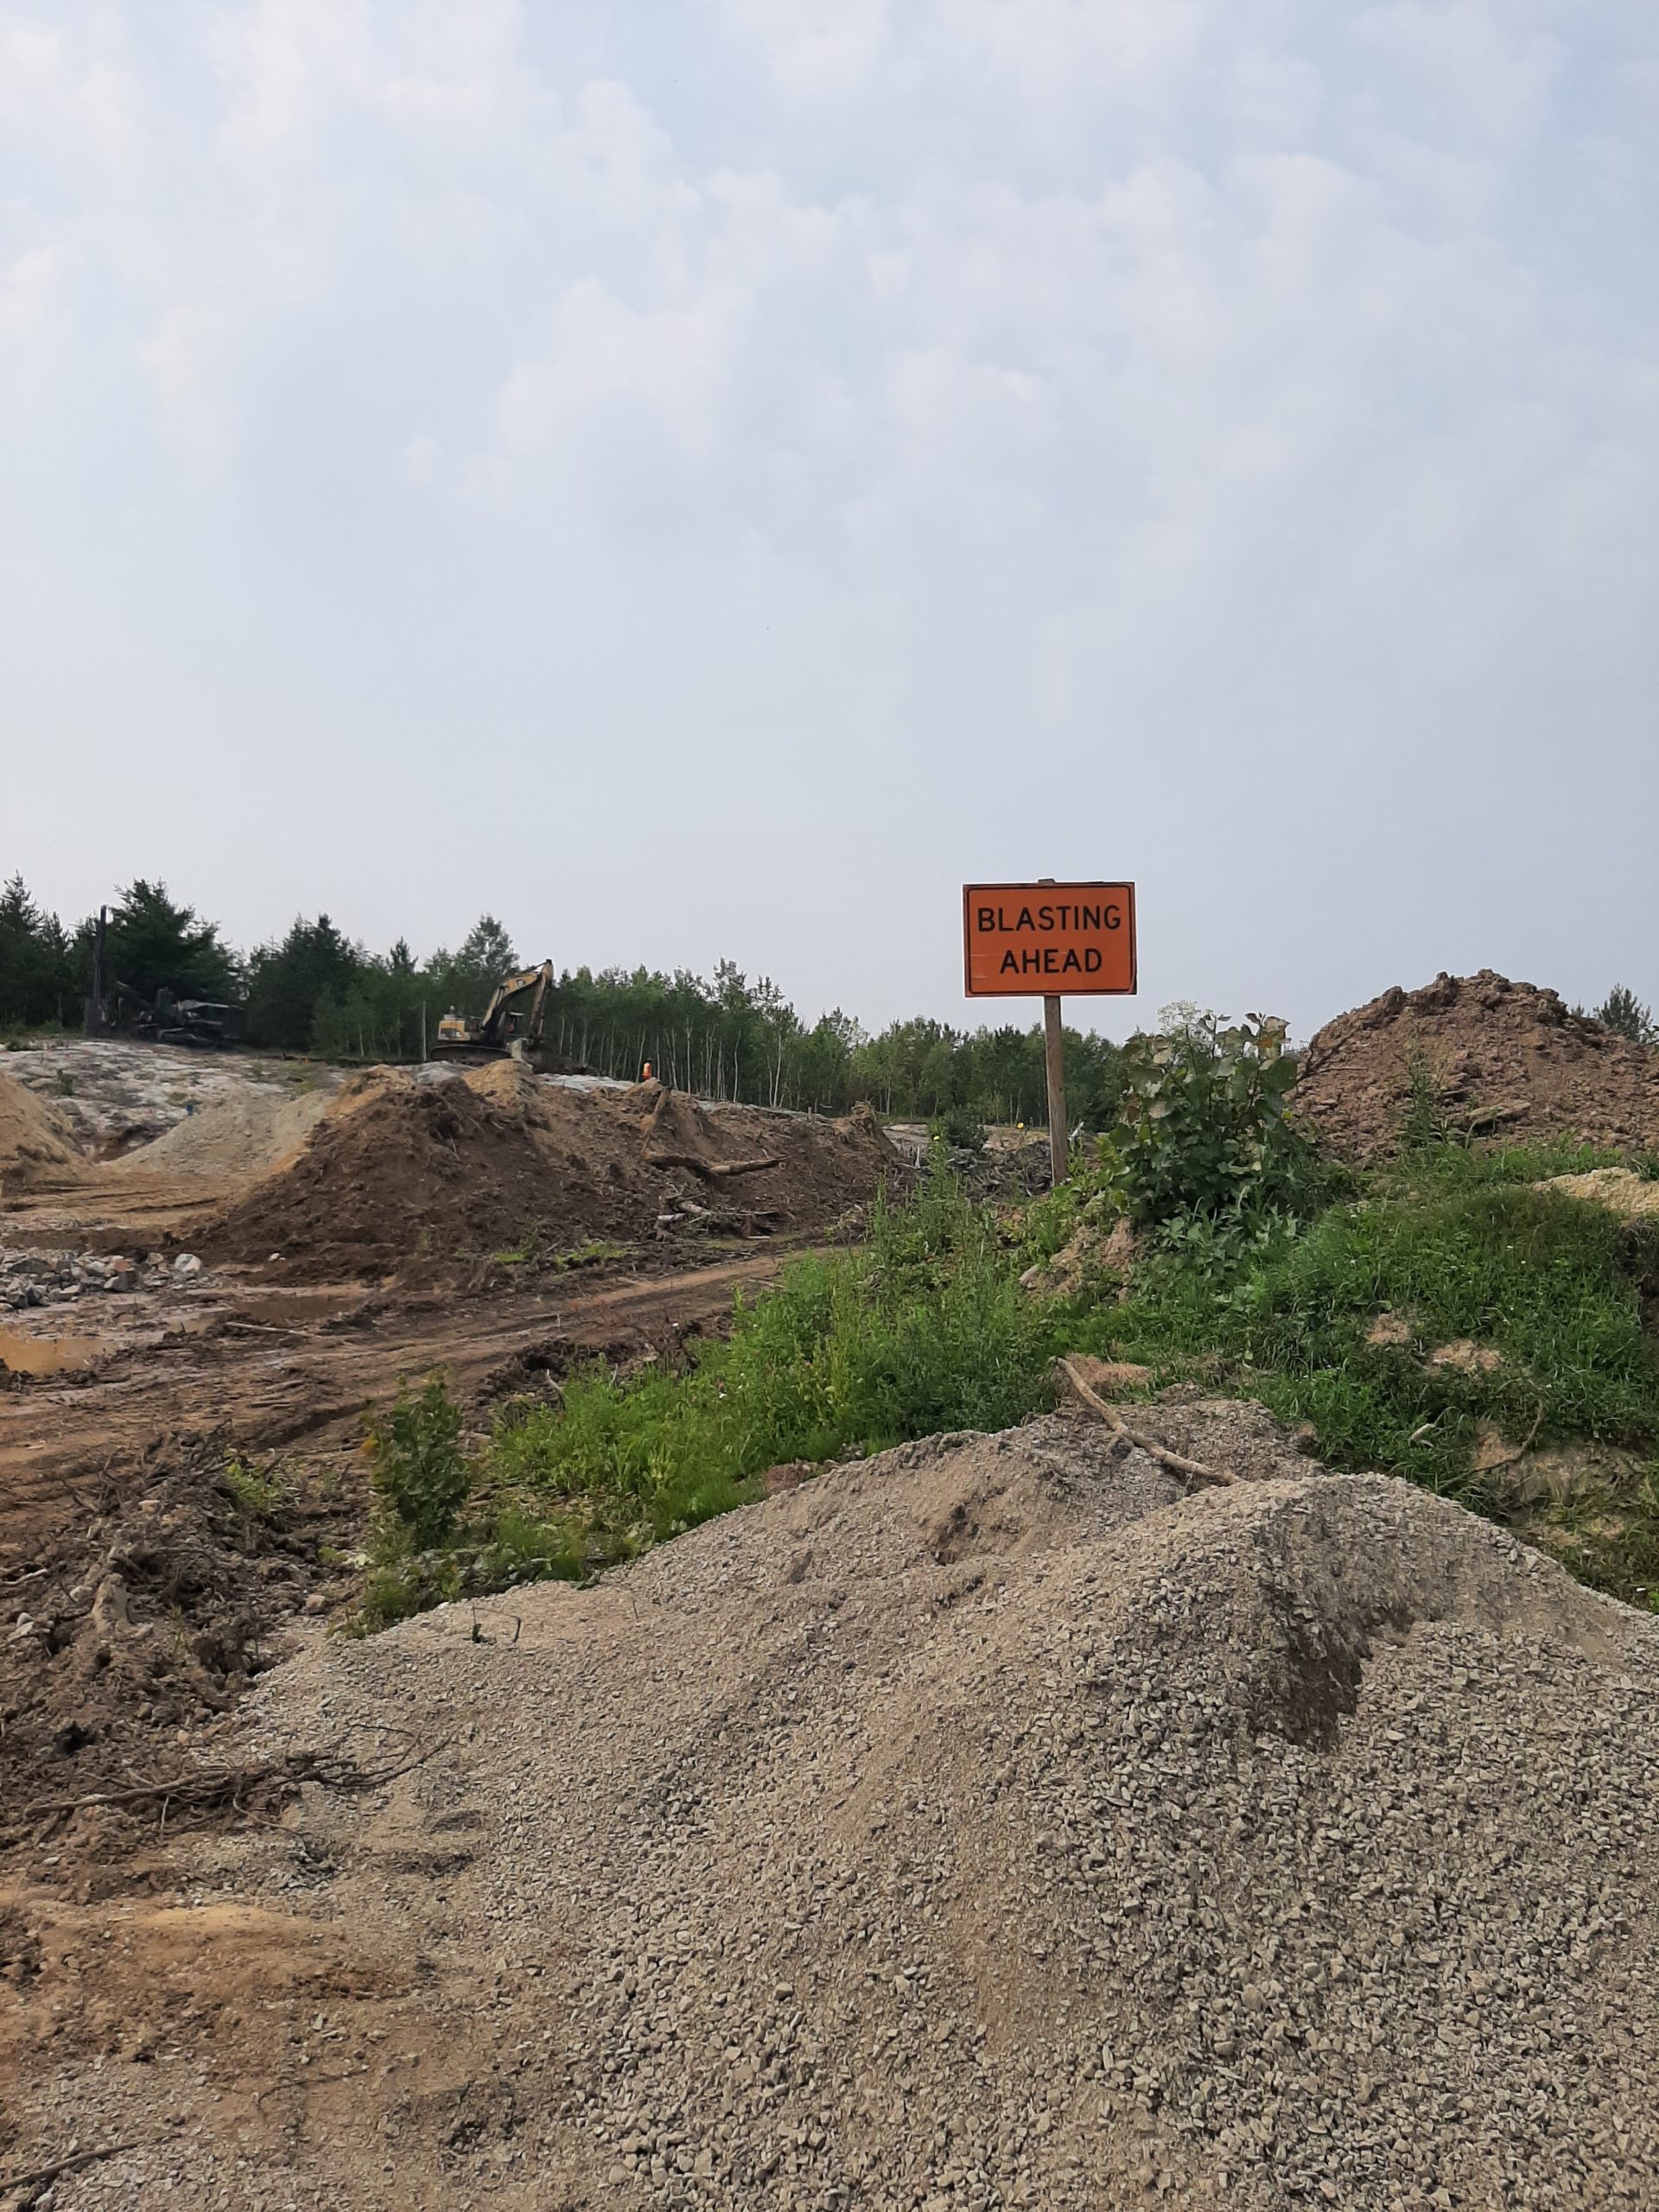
(815, 47)
(28, 288)
(1483, 62)
(1267, 372)
(672, 362)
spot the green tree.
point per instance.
(465, 979)
(287, 983)
(39, 978)
(1622, 1011)
(153, 944)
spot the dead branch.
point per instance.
(1521, 1450)
(1191, 1468)
(73, 2164)
(232, 1785)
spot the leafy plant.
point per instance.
(961, 1127)
(416, 1462)
(259, 1494)
(1204, 1127)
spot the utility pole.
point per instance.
(1060, 1150)
(95, 1004)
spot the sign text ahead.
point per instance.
(1037, 940)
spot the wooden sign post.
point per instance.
(1030, 940)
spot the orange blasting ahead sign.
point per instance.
(1040, 940)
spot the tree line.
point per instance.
(313, 990)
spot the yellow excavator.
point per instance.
(510, 1026)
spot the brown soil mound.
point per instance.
(401, 1174)
(36, 1146)
(990, 1825)
(1506, 1059)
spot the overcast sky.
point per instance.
(710, 478)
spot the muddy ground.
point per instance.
(181, 1484)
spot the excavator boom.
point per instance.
(506, 1025)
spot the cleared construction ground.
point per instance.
(1000, 1821)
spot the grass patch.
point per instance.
(925, 1328)
(1607, 1536)
(531, 1251)
(1553, 1285)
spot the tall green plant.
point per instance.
(418, 1466)
(1204, 1128)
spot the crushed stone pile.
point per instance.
(403, 1172)
(1505, 1059)
(243, 1134)
(38, 1147)
(989, 1824)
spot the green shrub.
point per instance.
(961, 1127)
(418, 1464)
(1204, 1128)
(258, 1494)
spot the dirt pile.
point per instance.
(147, 1614)
(1503, 1059)
(236, 1136)
(401, 1174)
(36, 1146)
(988, 1825)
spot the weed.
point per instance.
(598, 1252)
(1204, 1128)
(259, 1494)
(1424, 1126)
(531, 1251)
(417, 1463)
(66, 1083)
(526, 1253)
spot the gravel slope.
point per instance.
(989, 1824)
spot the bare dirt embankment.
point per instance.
(988, 1825)
(1500, 1059)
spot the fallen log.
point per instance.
(715, 1171)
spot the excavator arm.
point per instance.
(509, 1023)
(501, 1020)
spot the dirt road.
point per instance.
(263, 1369)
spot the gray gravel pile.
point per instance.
(991, 1824)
